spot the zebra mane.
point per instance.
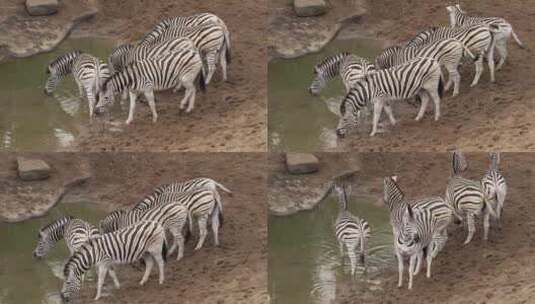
(331, 60)
(67, 58)
(60, 222)
(392, 192)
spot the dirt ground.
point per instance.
(232, 273)
(230, 116)
(498, 271)
(490, 116)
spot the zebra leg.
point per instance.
(202, 221)
(149, 95)
(400, 269)
(101, 274)
(429, 259)
(91, 100)
(341, 246)
(471, 227)
(113, 276)
(479, 70)
(133, 97)
(436, 100)
(352, 254)
(418, 266)
(501, 48)
(178, 87)
(215, 226)
(178, 242)
(377, 109)
(425, 100)
(189, 96)
(490, 62)
(486, 226)
(455, 78)
(124, 95)
(388, 110)
(411, 267)
(149, 262)
(160, 262)
(211, 59)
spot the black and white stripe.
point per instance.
(202, 204)
(58, 69)
(479, 39)
(182, 67)
(448, 52)
(172, 216)
(192, 184)
(209, 39)
(117, 57)
(349, 67)
(494, 184)
(125, 246)
(419, 77)
(505, 29)
(467, 198)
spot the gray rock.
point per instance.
(42, 7)
(32, 169)
(301, 163)
(309, 8)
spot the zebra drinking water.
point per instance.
(467, 198)
(350, 67)
(494, 184)
(448, 52)
(504, 32)
(125, 246)
(183, 67)
(419, 77)
(88, 71)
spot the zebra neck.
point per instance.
(58, 230)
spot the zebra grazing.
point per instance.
(350, 67)
(467, 198)
(126, 54)
(88, 71)
(477, 38)
(505, 29)
(351, 232)
(172, 217)
(201, 204)
(170, 70)
(494, 184)
(448, 52)
(145, 239)
(419, 77)
(192, 184)
(209, 39)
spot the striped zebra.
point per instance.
(467, 198)
(173, 217)
(494, 184)
(88, 71)
(170, 70)
(419, 227)
(192, 184)
(117, 57)
(188, 21)
(202, 204)
(351, 231)
(145, 240)
(448, 52)
(209, 39)
(479, 39)
(350, 67)
(420, 77)
(505, 29)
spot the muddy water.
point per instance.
(26, 280)
(299, 121)
(30, 120)
(305, 265)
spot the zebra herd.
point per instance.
(414, 68)
(126, 236)
(178, 52)
(419, 226)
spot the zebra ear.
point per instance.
(394, 178)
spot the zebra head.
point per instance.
(350, 110)
(454, 12)
(111, 222)
(318, 83)
(49, 235)
(58, 69)
(106, 96)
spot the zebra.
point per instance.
(505, 29)
(173, 217)
(420, 77)
(192, 184)
(144, 239)
(448, 52)
(467, 198)
(180, 21)
(88, 71)
(183, 67)
(351, 231)
(419, 228)
(494, 184)
(201, 204)
(350, 67)
(209, 39)
(479, 39)
(117, 57)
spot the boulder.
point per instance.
(42, 7)
(301, 163)
(309, 8)
(32, 169)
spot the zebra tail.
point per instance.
(200, 80)
(220, 215)
(441, 85)
(218, 185)
(362, 248)
(520, 44)
(190, 221)
(164, 249)
(219, 209)
(187, 234)
(228, 54)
